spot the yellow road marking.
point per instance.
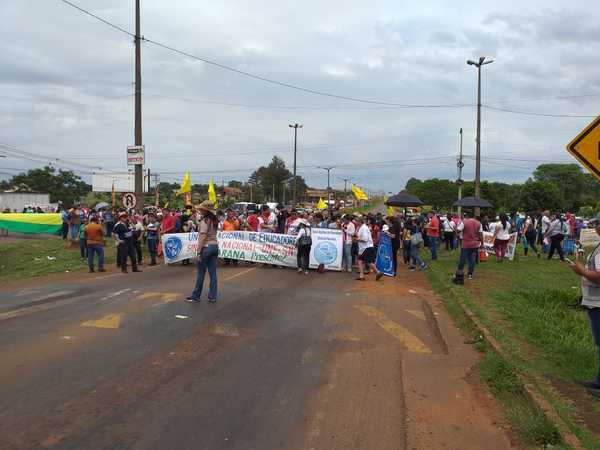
(415, 312)
(110, 321)
(166, 297)
(412, 343)
(240, 274)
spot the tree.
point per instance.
(440, 194)
(538, 195)
(568, 178)
(275, 175)
(62, 185)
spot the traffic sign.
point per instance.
(129, 200)
(586, 147)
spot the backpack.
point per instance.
(305, 239)
(416, 239)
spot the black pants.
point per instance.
(449, 240)
(303, 257)
(395, 248)
(354, 253)
(65, 230)
(406, 252)
(125, 250)
(531, 238)
(556, 244)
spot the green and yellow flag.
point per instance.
(31, 223)
(358, 193)
(212, 194)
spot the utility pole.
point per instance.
(460, 164)
(273, 193)
(478, 64)
(295, 187)
(138, 101)
(345, 180)
(251, 193)
(328, 169)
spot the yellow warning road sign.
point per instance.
(586, 147)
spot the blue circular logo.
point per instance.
(173, 247)
(326, 253)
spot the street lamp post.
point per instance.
(295, 127)
(460, 164)
(328, 169)
(481, 62)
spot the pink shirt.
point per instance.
(471, 230)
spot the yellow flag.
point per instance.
(212, 194)
(390, 211)
(358, 193)
(321, 204)
(186, 184)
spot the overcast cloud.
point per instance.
(66, 85)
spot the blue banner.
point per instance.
(385, 257)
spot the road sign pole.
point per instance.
(138, 101)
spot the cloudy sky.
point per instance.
(66, 86)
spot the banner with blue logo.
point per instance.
(266, 248)
(385, 257)
(326, 248)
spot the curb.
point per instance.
(532, 392)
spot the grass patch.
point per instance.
(29, 258)
(524, 304)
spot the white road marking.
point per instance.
(240, 274)
(115, 294)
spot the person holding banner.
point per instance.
(207, 252)
(366, 250)
(304, 243)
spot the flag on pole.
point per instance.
(186, 184)
(321, 204)
(358, 193)
(212, 194)
(390, 211)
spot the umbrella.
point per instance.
(473, 202)
(403, 199)
(101, 205)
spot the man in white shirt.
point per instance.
(366, 250)
(267, 221)
(546, 221)
(349, 231)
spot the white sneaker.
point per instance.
(299, 270)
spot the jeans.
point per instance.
(152, 246)
(468, 255)
(126, 249)
(347, 257)
(415, 257)
(208, 261)
(65, 230)
(303, 257)
(594, 316)
(83, 248)
(99, 250)
(433, 244)
(109, 228)
(137, 245)
(449, 240)
(530, 241)
(74, 231)
(556, 244)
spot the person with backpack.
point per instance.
(416, 242)
(304, 243)
(556, 234)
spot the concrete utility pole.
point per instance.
(460, 164)
(138, 101)
(478, 64)
(295, 187)
(328, 169)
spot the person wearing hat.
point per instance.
(124, 237)
(590, 299)
(208, 252)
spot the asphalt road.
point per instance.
(283, 361)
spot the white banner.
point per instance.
(488, 244)
(326, 248)
(266, 248)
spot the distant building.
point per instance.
(19, 200)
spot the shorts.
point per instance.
(368, 256)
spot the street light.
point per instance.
(482, 62)
(295, 127)
(328, 169)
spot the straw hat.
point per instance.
(206, 205)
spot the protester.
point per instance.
(472, 241)
(82, 241)
(530, 234)
(449, 232)
(231, 223)
(94, 234)
(208, 252)
(138, 235)
(65, 223)
(267, 221)
(74, 222)
(125, 248)
(556, 233)
(433, 234)
(416, 242)
(152, 237)
(546, 221)
(501, 237)
(366, 251)
(109, 221)
(348, 233)
(590, 300)
(304, 243)
(391, 229)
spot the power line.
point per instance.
(528, 113)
